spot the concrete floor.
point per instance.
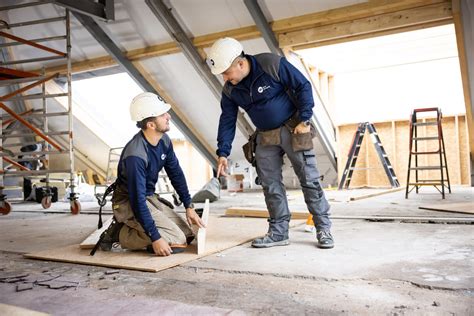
(379, 266)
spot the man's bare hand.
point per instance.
(302, 128)
(193, 218)
(161, 247)
(222, 166)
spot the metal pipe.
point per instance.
(27, 124)
(6, 122)
(42, 21)
(37, 96)
(33, 134)
(35, 115)
(33, 60)
(20, 80)
(16, 164)
(28, 87)
(7, 173)
(11, 145)
(30, 43)
(36, 40)
(45, 147)
(72, 195)
(24, 5)
(29, 153)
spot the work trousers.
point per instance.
(269, 169)
(171, 226)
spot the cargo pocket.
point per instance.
(122, 211)
(271, 137)
(301, 142)
(310, 169)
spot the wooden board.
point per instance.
(201, 233)
(222, 233)
(93, 238)
(366, 196)
(460, 207)
(260, 212)
(18, 311)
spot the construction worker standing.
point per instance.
(279, 101)
(143, 219)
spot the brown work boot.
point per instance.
(110, 236)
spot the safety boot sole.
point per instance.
(323, 246)
(285, 242)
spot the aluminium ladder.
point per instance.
(354, 152)
(437, 137)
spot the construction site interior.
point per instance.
(393, 90)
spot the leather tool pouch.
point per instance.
(301, 142)
(304, 141)
(270, 137)
(249, 148)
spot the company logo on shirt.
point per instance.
(263, 88)
(163, 156)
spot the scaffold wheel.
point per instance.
(5, 207)
(46, 201)
(75, 207)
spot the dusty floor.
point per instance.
(379, 266)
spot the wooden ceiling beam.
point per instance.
(280, 27)
(348, 13)
(389, 22)
(332, 41)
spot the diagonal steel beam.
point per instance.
(262, 25)
(175, 30)
(107, 43)
(103, 10)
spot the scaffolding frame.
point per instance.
(34, 122)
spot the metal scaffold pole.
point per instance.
(28, 124)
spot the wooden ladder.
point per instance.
(413, 164)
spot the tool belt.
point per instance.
(249, 149)
(299, 142)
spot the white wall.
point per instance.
(392, 93)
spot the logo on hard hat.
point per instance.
(212, 62)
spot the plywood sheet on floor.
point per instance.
(461, 207)
(222, 233)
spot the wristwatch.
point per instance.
(307, 123)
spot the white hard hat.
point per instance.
(222, 54)
(146, 105)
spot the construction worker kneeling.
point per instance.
(142, 218)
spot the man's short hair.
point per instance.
(241, 56)
(142, 124)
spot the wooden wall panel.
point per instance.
(394, 136)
